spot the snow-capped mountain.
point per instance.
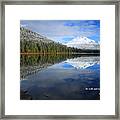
(83, 62)
(83, 43)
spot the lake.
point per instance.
(60, 77)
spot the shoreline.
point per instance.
(59, 53)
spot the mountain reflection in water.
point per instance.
(60, 77)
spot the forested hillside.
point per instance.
(32, 42)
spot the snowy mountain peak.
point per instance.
(83, 43)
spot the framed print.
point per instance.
(60, 59)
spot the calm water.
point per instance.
(60, 77)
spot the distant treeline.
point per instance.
(48, 48)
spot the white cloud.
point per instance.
(23, 25)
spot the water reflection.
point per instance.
(83, 62)
(60, 77)
(30, 64)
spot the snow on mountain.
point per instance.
(83, 43)
(83, 62)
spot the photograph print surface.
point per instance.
(60, 59)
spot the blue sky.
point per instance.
(64, 30)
